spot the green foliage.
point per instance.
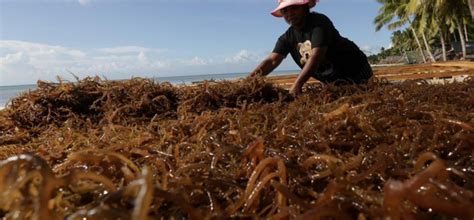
(423, 18)
(402, 41)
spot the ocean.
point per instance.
(9, 92)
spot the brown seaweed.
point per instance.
(138, 149)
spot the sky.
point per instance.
(120, 39)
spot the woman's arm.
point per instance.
(268, 65)
(317, 56)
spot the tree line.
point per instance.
(425, 26)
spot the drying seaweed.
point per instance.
(211, 96)
(138, 149)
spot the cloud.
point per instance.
(128, 50)
(25, 62)
(197, 61)
(244, 56)
(35, 49)
(11, 59)
(370, 50)
(16, 69)
(84, 2)
(142, 58)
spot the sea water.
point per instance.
(9, 92)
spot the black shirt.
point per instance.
(342, 56)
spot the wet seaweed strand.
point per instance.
(138, 149)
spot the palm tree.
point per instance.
(424, 15)
(441, 14)
(394, 14)
(443, 42)
(402, 42)
(471, 6)
(465, 29)
(440, 28)
(422, 29)
(426, 20)
(456, 12)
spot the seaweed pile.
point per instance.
(138, 149)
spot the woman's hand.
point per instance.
(317, 57)
(295, 90)
(267, 65)
(256, 73)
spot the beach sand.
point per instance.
(445, 71)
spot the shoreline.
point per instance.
(434, 73)
(437, 73)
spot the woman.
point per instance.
(316, 46)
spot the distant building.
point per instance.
(469, 47)
(393, 60)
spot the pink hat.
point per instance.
(285, 3)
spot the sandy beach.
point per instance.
(438, 71)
